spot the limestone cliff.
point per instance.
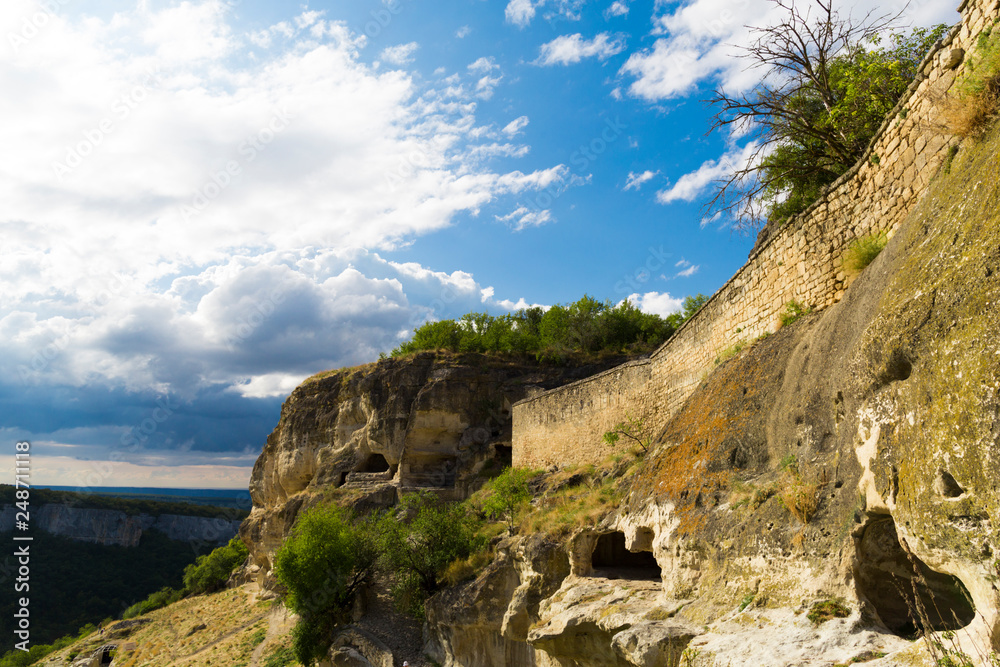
(116, 528)
(431, 421)
(848, 463)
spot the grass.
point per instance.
(975, 102)
(793, 311)
(821, 612)
(799, 496)
(863, 251)
(572, 507)
(730, 352)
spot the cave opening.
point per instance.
(909, 597)
(611, 557)
(376, 463)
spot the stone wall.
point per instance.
(799, 262)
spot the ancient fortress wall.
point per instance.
(800, 262)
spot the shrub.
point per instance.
(793, 311)
(325, 560)
(157, 600)
(635, 430)
(210, 572)
(506, 494)
(821, 612)
(862, 251)
(420, 541)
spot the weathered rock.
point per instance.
(431, 421)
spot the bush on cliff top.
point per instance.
(586, 326)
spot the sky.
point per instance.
(205, 202)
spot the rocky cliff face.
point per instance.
(431, 422)
(115, 528)
(849, 463)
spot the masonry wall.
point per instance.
(800, 262)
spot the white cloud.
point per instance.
(689, 271)
(515, 126)
(401, 54)
(689, 186)
(656, 303)
(569, 49)
(522, 217)
(636, 180)
(617, 8)
(463, 32)
(484, 64)
(156, 195)
(519, 12)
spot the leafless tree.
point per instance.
(794, 57)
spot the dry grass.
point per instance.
(975, 103)
(800, 497)
(221, 630)
(572, 507)
(862, 251)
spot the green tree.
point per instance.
(418, 542)
(210, 572)
(323, 563)
(826, 87)
(634, 430)
(507, 493)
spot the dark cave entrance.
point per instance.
(107, 654)
(611, 558)
(908, 596)
(375, 463)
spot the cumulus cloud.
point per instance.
(570, 49)
(515, 126)
(182, 223)
(400, 54)
(519, 12)
(635, 180)
(656, 303)
(463, 32)
(617, 8)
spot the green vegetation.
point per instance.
(823, 611)
(157, 600)
(635, 430)
(211, 572)
(862, 251)
(747, 600)
(587, 327)
(17, 658)
(976, 100)
(729, 352)
(827, 86)
(420, 541)
(280, 657)
(326, 559)
(330, 555)
(97, 582)
(506, 494)
(793, 311)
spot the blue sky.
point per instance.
(207, 201)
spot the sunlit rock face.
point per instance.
(362, 435)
